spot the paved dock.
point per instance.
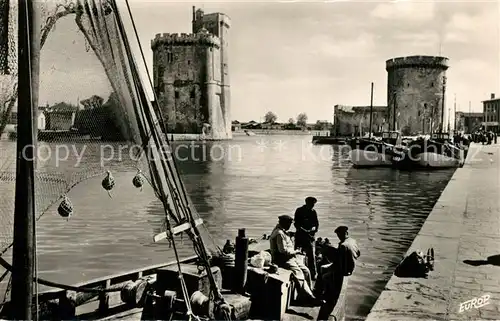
(464, 230)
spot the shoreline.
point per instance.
(463, 228)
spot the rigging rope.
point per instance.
(196, 237)
(157, 140)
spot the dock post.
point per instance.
(240, 262)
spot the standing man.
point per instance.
(333, 278)
(306, 226)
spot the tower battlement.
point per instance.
(417, 61)
(218, 16)
(203, 38)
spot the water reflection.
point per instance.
(393, 206)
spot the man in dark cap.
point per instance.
(348, 250)
(285, 255)
(306, 225)
(333, 277)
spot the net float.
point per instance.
(65, 209)
(108, 182)
(138, 180)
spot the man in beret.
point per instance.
(284, 255)
(306, 225)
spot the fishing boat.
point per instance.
(436, 151)
(209, 285)
(374, 151)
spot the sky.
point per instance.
(305, 56)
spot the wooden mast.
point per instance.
(371, 112)
(24, 214)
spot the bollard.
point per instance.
(241, 262)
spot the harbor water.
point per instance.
(247, 182)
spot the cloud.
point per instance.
(464, 27)
(466, 66)
(326, 45)
(405, 10)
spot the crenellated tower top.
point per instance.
(203, 37)
(417, 62)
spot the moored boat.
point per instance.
(374, 152)
(435, 152)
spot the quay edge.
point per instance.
(464, 230)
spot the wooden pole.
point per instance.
(394, 106)
(469, 122)
(449, 119)
(455, 114)
(442, 104)
(371, 112)
(24, 213)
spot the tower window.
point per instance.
(176, 95)
(432, 84)
(170, 57)
(408, 85)
(189, 62)
(192, 94)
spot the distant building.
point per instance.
(251, 125)
(235, 125)
(60, 117)
(41, 118)
(468, 122)
(266, 125)
(42, 121)
(355, 120)
(491, 110)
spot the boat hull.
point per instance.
(435, 160)
(428, 155)
(367, 158)
(370, 153)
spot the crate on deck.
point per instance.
(270, 293)
(196, 280)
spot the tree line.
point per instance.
(299, 122)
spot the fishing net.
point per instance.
(105, 176)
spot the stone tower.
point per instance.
(416, 90)
(190, 81)
(218, 24)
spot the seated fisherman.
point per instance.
(285, 256)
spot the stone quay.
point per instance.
(464, 230)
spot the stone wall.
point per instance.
(355, 120)
(415, 91)
(183, 69)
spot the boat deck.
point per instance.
(269, 293)
(293, 314)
